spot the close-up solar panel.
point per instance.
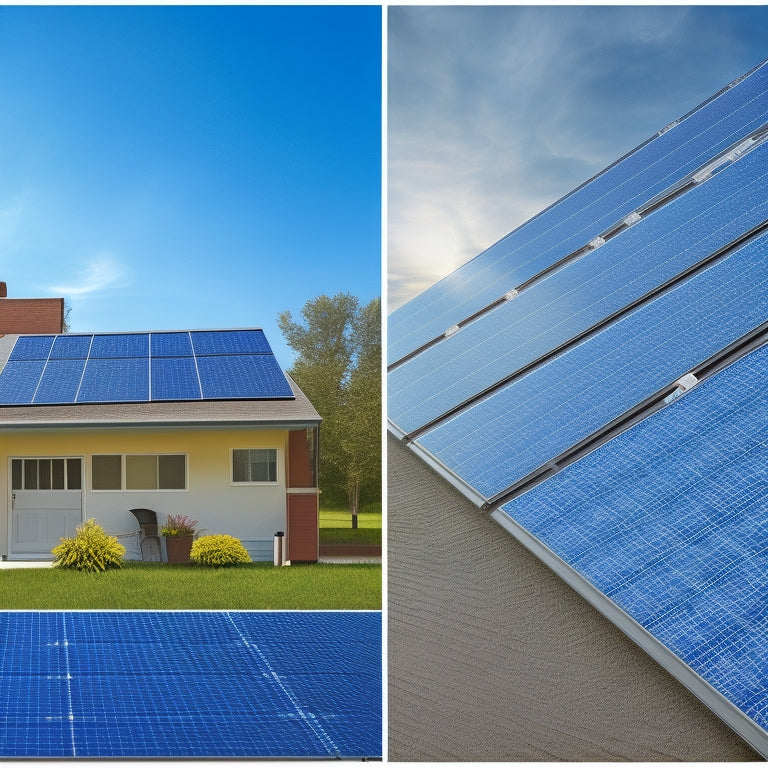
(142, 367)
(301, 685)
(570, 224)
(596, 382)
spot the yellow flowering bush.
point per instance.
(90, 549)
(218, 549)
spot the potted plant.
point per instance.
(178, 531)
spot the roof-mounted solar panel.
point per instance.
(32, 348)
(67, 347)
(142, 367)
(500, 438)
(171, 344)
(120, 345)
(666, 522)
(250, 342)
(638, 261)
(256, 376)
(569, 224)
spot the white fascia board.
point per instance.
(728, 712)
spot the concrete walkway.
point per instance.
(25, 564)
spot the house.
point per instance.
(201, 423)
(595, 384)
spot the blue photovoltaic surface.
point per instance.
(582, 215)
(669, 521)
(171, 344)
(115, 380)
(251, 342)
(500, 439)
(175, 378)
(32, 348)
(191, 684)
(71, 347)
(60, 381)
(19, 380)
(141, 367)
(242, 376)
(571, 300)
(120, 345)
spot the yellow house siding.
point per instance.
(250, 512)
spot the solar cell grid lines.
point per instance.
(142, 367)
(668, 520)
(585, 292)
(191, 684)
(573, 221)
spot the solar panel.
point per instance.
(173, 344)
(191, 684)
(242, 376)
(19, 380)
(32, 348)
(71, 347)
(501, 438)
(115, 380)
(142, 367)
(668, 521)
(175, 378)
(119, 345)
(644, 280)
(251, 342)
(576, 219)
(60, 381)
(643, 257)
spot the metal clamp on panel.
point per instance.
(596, 242)
(683, 384)
(450, 331)
(509, 295)
(633, 218)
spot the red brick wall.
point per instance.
(31, 315)
(303, 537)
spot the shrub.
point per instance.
(90, 549)
(179, 525)
(218, 549)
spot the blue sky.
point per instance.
(190, 167)
(496, 112)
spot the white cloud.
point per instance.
(101, 273)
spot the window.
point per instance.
(46, 474)
(142, 472)
(254, 465)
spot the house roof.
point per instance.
(530, 368)
(291, 411)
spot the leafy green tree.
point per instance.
(338, 366)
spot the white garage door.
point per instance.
(46, 503)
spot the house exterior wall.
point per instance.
(252, 513)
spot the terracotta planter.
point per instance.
(178, 548)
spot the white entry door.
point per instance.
(46, 503)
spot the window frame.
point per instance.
(249, 483)
(124, 477)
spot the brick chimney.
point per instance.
(30, 315)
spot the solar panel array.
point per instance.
(576, 326)
(261, 684)
(142, 367)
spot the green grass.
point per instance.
(336, 527)
(168, 587)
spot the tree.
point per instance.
(338, 366)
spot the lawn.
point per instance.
(162, 586)
(336, 527)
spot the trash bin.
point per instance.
(279, 548)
